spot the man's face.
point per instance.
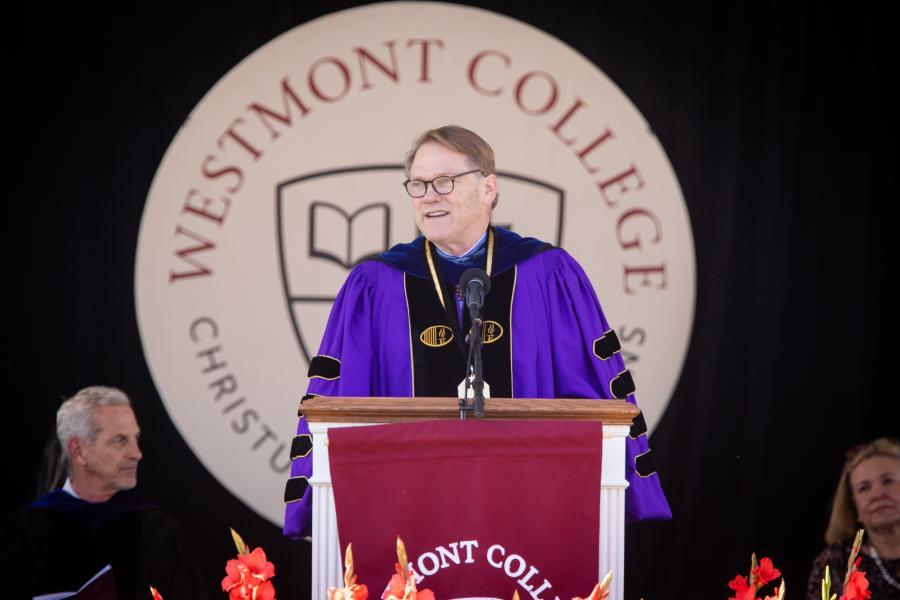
(110, 462)
(456, 220)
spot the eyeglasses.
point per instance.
(442, 185)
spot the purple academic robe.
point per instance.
(556, 320)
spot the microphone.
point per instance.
(476, 284)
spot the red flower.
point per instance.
(765, 572)
(857, 587)
(265, 591)
(351, 589)
(156, 595)
(258, 565)
(354, 592)
(246, 577)
(396, 587)
(745, 594)
(598, 593)
(742, 591)
(738, 584)
(400, 589)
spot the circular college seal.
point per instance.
(289, 172)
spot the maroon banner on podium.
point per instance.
(484, 507)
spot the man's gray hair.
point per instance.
(75, 418)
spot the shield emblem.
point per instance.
(330, 221)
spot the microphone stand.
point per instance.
(474, 371)
(477, 283)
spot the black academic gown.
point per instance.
(59, 542)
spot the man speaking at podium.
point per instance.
(397, 327)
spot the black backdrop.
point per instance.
(776, 121)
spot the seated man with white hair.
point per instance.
(61, 540)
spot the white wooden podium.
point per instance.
(323, 412)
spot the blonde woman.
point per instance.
(867, 496)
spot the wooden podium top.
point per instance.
(395, 410)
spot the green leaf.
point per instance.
(753, 566)
(348, 569)
(826, 584)
(401, 557)
(239, 542)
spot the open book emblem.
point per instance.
(348, 238)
